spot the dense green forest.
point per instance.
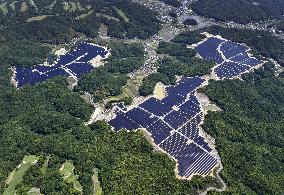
(189, 37)
(179, 61)
(47, 120)
(249, 132)
(243, 11)
(60, 21)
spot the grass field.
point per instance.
(43, 169)
(122, 14)
(34, 191)
(24, 7)
(38, 18)
(67, 171)
(97, 186)
(4, 8)
(16, 176)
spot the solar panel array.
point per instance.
(74, 63)
(232, 58)
(173, 123)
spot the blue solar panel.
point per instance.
(155, 106)
(172, 100)
(200, 141)
(83, 53)
(191, 158)
(235, 59)
(240, 58)
(208, 50)
(175, 119)
(163, 117)
(185, 86)
(252, 62)
(190, 108)
(159, 130)
(231, 49)
(56, 72)
(190, 130)
(197, 162)
(122, 122)
(141, 117)
(80, 68)
(230, 70)
(174, 144)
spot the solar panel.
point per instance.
(175, 119)
(208, 50)
(231, 49)
(190, 130)
(141, 117)
(234, 57)
(122, 122)
(80, 68)
(174, 144)
(201, 142)
(159, 131)
(162, 119)
(82, 54)
(230, 70)
(191, 158)
(155, 106)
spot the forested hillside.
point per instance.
(47, 120)
(60, 21)
(249, 131)
(243, 11)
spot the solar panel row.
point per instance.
(208, 50)
(191, 158)
(230, 70)
(190, 130)
(162, 119)
(75, 63)
(232, 58)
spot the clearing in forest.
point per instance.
(67, 170)
(97, 186)
(16, 176)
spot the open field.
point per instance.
(97, 185)
(16, 176)
(34, 191)
(38, 18)
(67, 170)
(4, 8)
(122, 14)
